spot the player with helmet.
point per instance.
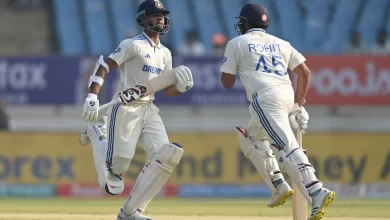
(261, 60)
(139, 59)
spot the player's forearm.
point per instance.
(303, 83)
(171, 91)
(95, 87)
(302, 87)
(102, 72)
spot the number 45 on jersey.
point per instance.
(277, 67)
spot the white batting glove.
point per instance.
(184, 79)
(91, 108)
(299, 117)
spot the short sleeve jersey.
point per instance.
(139, 60)
(261, 61)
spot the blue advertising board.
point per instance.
(207, 89)
(63, 81)
(48, 80)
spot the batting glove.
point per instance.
(91, 108)
(184, 79)
(132, 94)
(299, 117)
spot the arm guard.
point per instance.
(97, 79)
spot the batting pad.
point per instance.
(99, 148)
(264, 162)
(153, 177)
(292, 171)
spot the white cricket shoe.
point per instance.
(137, 215)
(283, 192)
(114, 184)
(321, 199)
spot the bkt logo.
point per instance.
(151, 69)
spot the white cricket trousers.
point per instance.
(271, 112)
(131, 124)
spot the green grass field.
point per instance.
(180, 209)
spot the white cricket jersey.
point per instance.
(261, 60)
(139, 60)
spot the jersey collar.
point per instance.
(255, 30)
(152, 44)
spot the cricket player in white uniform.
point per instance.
(139, 59)
(261, 61)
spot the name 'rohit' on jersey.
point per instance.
(262, 61)
(268, 48)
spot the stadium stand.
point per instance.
(230, 9)
(339, 30)
(387, 21)
(317, 13)
(181, 20)
(315, 26)
(291, 21)
(207, 18)
(68, 27)
(123, 19)
(372, 19)
(100, 36)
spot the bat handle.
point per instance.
(299, 139)
(107, 105)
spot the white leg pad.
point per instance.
(154, 175)
(99, 148)
(292, 170)
(298, 157)
(111, 183)
(261, 156)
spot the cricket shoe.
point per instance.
(114, 183)
(321, 199)
(137, 215)
(283, 192)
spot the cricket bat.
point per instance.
(151, 86)
(299, 204)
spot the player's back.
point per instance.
(263, 62)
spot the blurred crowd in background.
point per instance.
(197, 27)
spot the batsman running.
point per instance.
(261, 61)
(135, 118)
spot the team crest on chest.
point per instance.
(158, 4)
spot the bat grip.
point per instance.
(299, 139)
(104, 107)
